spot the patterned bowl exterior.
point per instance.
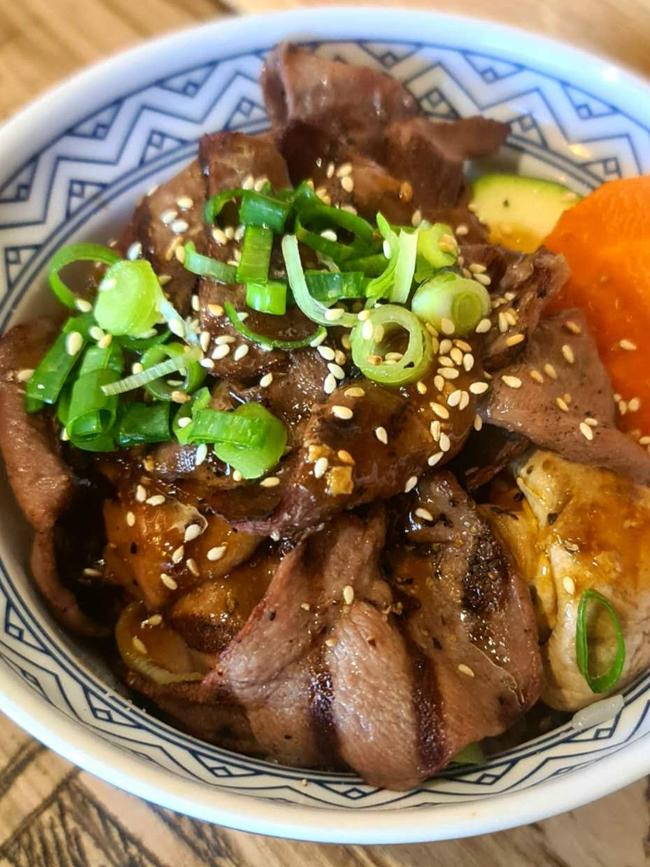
(73, 172)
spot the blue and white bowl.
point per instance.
(71, 167)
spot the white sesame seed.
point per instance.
(435, 429)
(634, 404)
(339, 356)
(221, 351)
(511, 381)
(483, 279)
(130, 519)
(336, 370)
(425, 514)
(208, 363)
(549, 370)
(105, 342)
(479, 387)
(347, 183)
(644, 441)
(464, 401)
(192, 531)
(348, 594)
(478, 423)
(330, 170)
(367, 330)
(329, 384)
(266, 380)
(178, 227)
(178, 554)
(184, 422)
(483, 327)
(444, 442)
(562, 404)
(260, 183)
(73, 343)
(622, 407)
(330, 642)
(439, 382)
(586, 431)
(241, 352)
(503, 323)
(462, 229)
(536, 376)
(139, 645)
(83, 306)
(449, 372)
(466, 670)
(592, 422)
(334, 314)
(382, 435)
(344, 170)
(25, 374)
(216, 553)
(219, 236)
(568, 353)
(156, 500)
(342, 412)
(185, 203)
(421, 387)
(201, 454)
(629, 345)
(134, 251)
(178, 396)
(416, 219)
(305, 606)
(325, 352)
(204, 340)
(140, 493)
(515, 339)
(248, 183)
(237, 476)
(167, 217)
(432, 460)
(270, 482)
(410, 484)
(320, 467)
(215, 309)
(168, 581)
(354, 391)
(179, 250)
(440, 410)
(447, 326)
(454, 398)
(569, 585)
(572, 326)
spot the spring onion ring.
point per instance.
(608, 680)
(368, 336)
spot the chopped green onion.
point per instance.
(462, 301)
(429, 240)
(137, 380)
(76, 253)
(193, 373)
(608, 680)
(382, 323)
(141, 344)
(215, 204)
(312, 210)
(312, 309)
(270, 342)
(206, 266)
(472, 754)
(331, 286)
(372, 266)
(92, 412)
(45, 384)
(182, 430)
(110, 357)
(268, 297)
(143, 423)
(395, 282)
(255, 255)
(257, 209)
(233, 439)
(211, 426)
(128, 299)
(325, 246)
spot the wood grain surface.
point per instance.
(54, 815)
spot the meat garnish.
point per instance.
(42, 482)
(300, 86)
(558, 395)
(165, 218)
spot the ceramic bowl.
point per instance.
(71, 167)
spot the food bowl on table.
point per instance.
(72, 166)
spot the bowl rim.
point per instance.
(240, 811)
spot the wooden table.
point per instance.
(52, 814)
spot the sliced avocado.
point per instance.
(520, 211)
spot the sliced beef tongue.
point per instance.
(167, 217)
(558, 395)
(387, 663)
(355, 103)
(41, 481)
(430, 155)
(468, 614)
(364, 443)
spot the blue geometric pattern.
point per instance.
(83, 183)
